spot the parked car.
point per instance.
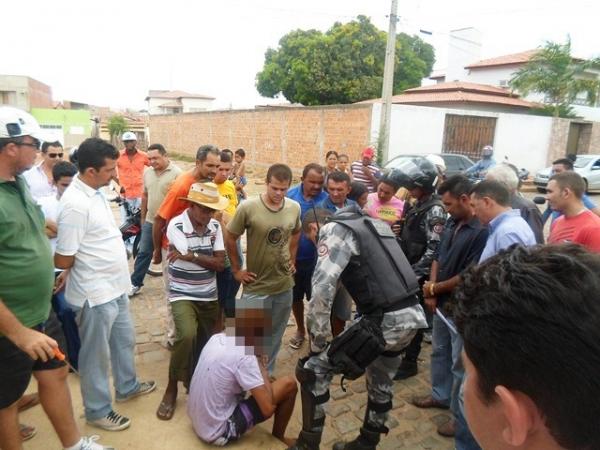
(588, 166)
(455, 164)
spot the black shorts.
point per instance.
(16, 368)
(302, 280)
(245, 416)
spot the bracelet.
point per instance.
(431, 289)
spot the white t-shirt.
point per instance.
(49, 205)
(87, 230)
(224, 372)
(39, 184)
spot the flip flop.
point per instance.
(28, 401)
(165, 411)
(27, 432)
(296, 342)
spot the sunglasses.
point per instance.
(55, 155)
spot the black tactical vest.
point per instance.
(380, 279)
(413, 237)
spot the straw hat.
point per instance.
(206, 194)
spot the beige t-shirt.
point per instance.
(268, 238)
(157, 186)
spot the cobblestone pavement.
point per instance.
(410, 427)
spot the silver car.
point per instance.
(588, 166)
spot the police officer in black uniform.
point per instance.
(422, 223)
(362, 254)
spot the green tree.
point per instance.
(555, 73)
(343, 65)
(116, 125)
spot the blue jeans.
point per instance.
(227, 288)
(107, 337)
(66, 317)
(279, 307)
(446, 348)
(463, 439)
(144, 256)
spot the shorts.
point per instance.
(243, 181)
(303, 280)
(246, 415)
(16, 368)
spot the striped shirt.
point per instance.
(358, 175)
(189, 281)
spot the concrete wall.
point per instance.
(196, 104)
(490, 75)
(523, 139)
(294, 136)
(76, 124)
(25, 92)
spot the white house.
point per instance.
(176, 102)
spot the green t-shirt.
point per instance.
(268, 243)
(26, 262)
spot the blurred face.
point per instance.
(555, 196)
(385, 192)
(238, 158)
(276, 190)
(26, 154)
(482, 208)
(208, 168)
(250, 326)
(312, 183)
(558, 168)
(459, 208)
(343, 163)
(200, 215)
(338, 191)
(223, 172)
(362, 200)
(332, 161)
(129, 145)
(62, 184)
(52, 156)
(157, 161)
(366, 160)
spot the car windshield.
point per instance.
(398, 161)
(582, 161)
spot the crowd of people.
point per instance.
(384, 260)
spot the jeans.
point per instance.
(446, 367)
(107, 337)
(227, 288)
(279, 307)
(66, 317)
(144, 256)
(463, 439)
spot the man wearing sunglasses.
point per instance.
(39, 177)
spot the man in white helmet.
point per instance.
(487, 161)
(25, 292)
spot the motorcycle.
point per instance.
(132, 226)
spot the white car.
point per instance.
(588, 166)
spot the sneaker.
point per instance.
(89, 443)
(111, 422)
(135, 290)
(427, 337)
(145, 388)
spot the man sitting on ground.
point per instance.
(230, 365)
(529, 319)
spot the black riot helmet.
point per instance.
(415, 172)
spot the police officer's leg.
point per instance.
(409, 368)
(314, 375)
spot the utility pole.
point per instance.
(388, 86)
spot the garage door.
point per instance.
(467, 135)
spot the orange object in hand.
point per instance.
(58, 354)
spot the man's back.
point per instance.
(505, 230)
(531, 214)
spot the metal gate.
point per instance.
(467, 135)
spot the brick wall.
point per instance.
(40, 94)
(295, 136)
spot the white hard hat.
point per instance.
(129, 136)
(15, 122)
(437, 161)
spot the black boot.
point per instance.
(406, 370)
(307, 441)
(366, 440)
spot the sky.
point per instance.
(111, 53)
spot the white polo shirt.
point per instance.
(88, 231)
(39, 184)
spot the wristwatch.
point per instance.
(196, 255)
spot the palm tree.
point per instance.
(116, 125)
(554, 72)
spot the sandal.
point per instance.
(27, 432)
(165, 411)
(296, 342)
(28, 401)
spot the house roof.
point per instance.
(504, 60)
(175, 95)
(459, 92)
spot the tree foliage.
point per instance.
(116, 125)
(555, 73)
(343, 65)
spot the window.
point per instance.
(503, 83)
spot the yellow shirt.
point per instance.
(227, 190)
